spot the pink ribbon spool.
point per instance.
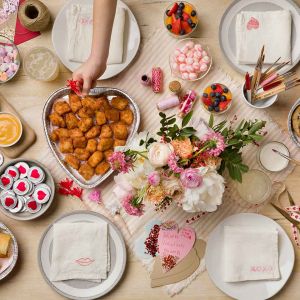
(157, 80)
(168, 103)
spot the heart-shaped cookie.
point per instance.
(9, 202)
(35, 174)
(32, 205)
(22, 170)
(252, 24)
(5, 180)
(174, 245)
(41, 195)
(21, 186)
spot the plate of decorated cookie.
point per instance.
(82, 132)
(26, 189)
(294, 123)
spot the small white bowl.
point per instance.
(259, 104)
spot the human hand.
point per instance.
(86, 75)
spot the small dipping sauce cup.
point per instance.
(10, 129)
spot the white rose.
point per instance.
(172, 185)
(207, 196)
(158, 154)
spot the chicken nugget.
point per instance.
(53, 137)
(85, 112)
(106, 131)
(75, 133)
(93, 132)
(80, 142)
(90, 103)
(72, 161)
(112, 114)
(108, 153)
(120, 131)
(71, 121)
(86, 171)
(95, 158)
(103, 103)
(85, 124)
(105, 144)
(119, 142)
(57, 120)
(100, 118)
(75, 102)
(119, 103)
(66, 145)
(126, 116)
(61, 132)
(82, 154)
(102, 168)
(91, 145)
(62, 107)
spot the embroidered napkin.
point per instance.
(270, 28)
(250, 253)
(80, 33)
(80, 251)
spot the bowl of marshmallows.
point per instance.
(190, 60)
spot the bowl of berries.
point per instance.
(180, 19)
(216, 98)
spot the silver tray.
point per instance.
(294, 137)
(97, 91)
(15, 250)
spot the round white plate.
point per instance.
(227, 37)
(132, 38)
(81, 289)
(248, 290)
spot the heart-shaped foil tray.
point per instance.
(97, 91)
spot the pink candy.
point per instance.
(8, 61)
(189, 61)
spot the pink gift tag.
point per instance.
(174, 245)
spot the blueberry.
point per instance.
(179, 12)
(217, 109)
(169, 26)
(193, 13)
(217, 101)
(218, 94)
(212, 94)
(210, 108)
(225, 90)
(216, 104)
(181, 5)
(213, 86)
(182, 32)
(205, 95)
(190, 21)
(167, 12)
(223, 98)
(193, 25)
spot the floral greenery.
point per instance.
(245, 133)
(170, 131)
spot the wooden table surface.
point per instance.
(28, 96)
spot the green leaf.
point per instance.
(187, 119)
(211, 121)
(171, 121)
(257, 126)
(162, 115)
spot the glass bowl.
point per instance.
(216, 98)
(187, 24)
(9, 59)
(181, 56)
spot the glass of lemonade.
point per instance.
(41, 64)
(256, 187)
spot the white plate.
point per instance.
(132, 39)
(81, 289)
(227, 37)
(248, 290)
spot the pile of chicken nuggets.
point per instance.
(87, 129)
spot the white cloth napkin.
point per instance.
(80, 34)
(270, 28)
(80, 251)
(250, 253)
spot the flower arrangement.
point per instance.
(182, 164)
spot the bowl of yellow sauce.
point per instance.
(10, 129)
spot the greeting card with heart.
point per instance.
(8, 17)
(174, 244)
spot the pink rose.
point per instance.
(191, 178)
(154, 178)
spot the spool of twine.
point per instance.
(34, 15)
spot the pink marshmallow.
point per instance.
(177, 52)
(189, 68)
(192, 76)
(204, 53)
(196, 66)
(206, 59)
(185, 75)
(189, 61)
(190, 44)
(190, 53)
(198, 47)
(182, 67)
(184, 49)
(181, 58)
(203, 67)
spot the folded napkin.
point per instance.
(80, 34)
(80, 251)
(270, 28)
(250, 253)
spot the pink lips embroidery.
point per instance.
(252, 24)
(84, 261)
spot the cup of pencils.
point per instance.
(262, 88)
